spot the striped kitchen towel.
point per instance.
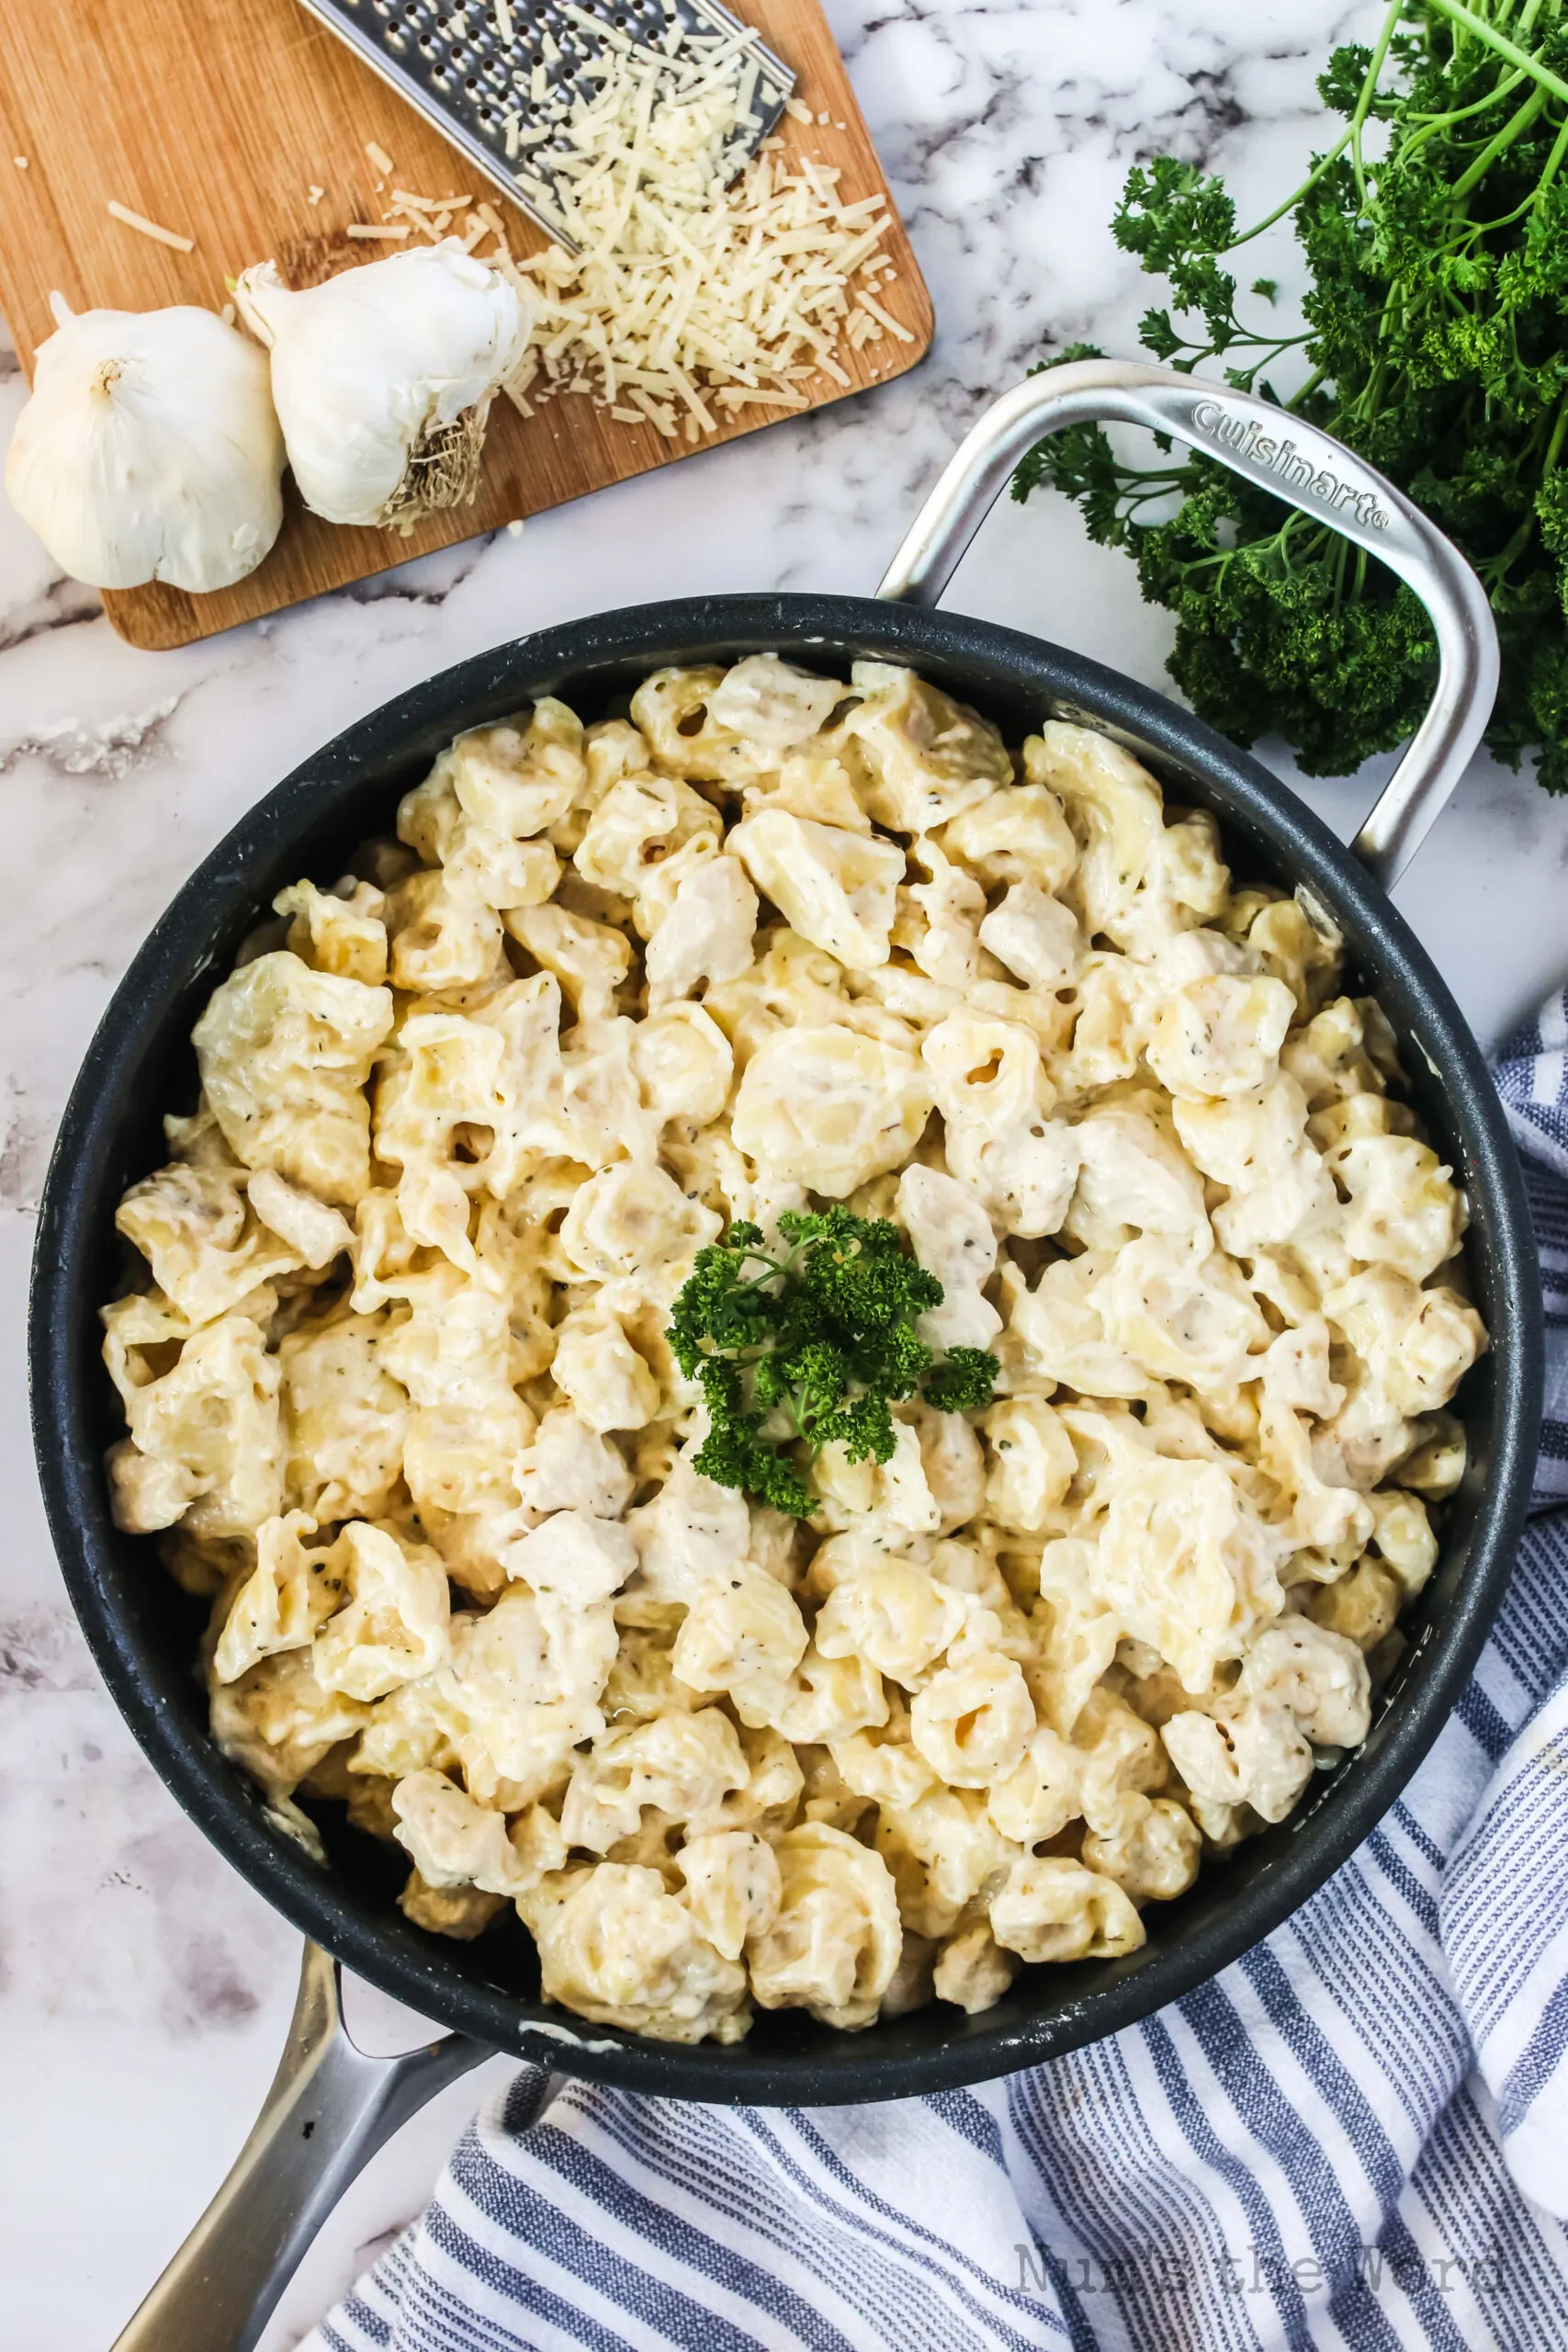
(1532, 1079)
(1354, 2138)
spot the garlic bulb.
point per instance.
(383, 376)
(148, 449)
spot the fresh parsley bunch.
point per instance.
(1437, 345)
(814, 1346)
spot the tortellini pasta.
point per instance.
(835, 889)
(400, 1402)
(834, 1940)
(830, 1107)
(284, 1052)
(455, 1842)
(619, 1948)
(1053, 1908)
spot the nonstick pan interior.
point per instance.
(144, 1630)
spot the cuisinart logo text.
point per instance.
(1283, 458)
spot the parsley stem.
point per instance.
(1351, 136)
(1431, 124)
(1554, 447)
(1458, 14)
(1518, 123)
(1318, 376)
(1552, 166)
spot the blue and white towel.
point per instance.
(1356, 2138)
(1532, 1079)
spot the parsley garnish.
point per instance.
(812, 1347)
(1436, 235)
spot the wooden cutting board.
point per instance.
(215, 118)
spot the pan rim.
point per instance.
(1121, 1993)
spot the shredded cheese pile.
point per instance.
(688, 298)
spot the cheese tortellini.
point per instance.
(400, 1400)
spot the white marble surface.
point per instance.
(143, 1988)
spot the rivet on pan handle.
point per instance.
(1306, 469)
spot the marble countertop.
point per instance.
(143, 1987)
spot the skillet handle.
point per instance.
(329, 2110)
(1307, 469)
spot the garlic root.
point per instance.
(443, 469)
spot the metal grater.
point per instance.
(470, 71)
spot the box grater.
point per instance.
(485, 76)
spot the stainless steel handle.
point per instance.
(329, 2110)
(1308, 469)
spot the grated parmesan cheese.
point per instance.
(690, 299)
(145, 228)
(379, 157)
(868, 303)
(367, 233)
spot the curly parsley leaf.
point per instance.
(812, 1348)
(963, 1382)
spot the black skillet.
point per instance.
(331, 2107)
